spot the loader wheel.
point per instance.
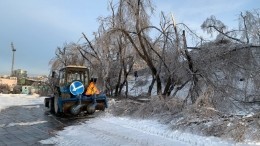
(48, 103)
(56, 107)
(51, 105)
(91, 109)
(101, 106)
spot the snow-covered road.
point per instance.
(112, 132)
(107, 130)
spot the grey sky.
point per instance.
(37, 27)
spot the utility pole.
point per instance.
(13, 49)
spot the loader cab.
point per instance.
(69, 74)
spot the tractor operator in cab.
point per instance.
(92, 89)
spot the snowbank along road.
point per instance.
(115, 131)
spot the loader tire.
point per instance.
(91, 109)
(56, 107)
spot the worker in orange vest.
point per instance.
(92, 89)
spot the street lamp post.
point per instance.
(13, 49)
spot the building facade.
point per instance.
(11, 82)
(19, 73)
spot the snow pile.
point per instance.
(197, 119)
(8, 100)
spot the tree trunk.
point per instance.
(126, 88)
(118, 82)
(123, 84)
(167, 89)
(151, 86)
(145, 55)
(126, 73)
(194, 89)
(159, 85)
(179, 88)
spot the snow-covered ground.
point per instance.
(141, 85)
(7, 100)
(110, 130)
